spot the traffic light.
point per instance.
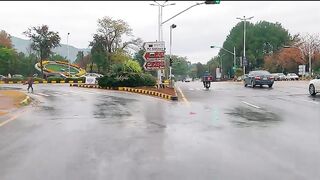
(212, 2)
(170, 62)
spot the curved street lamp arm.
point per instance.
(182, 12)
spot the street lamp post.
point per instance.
(160, 37)
(233, 53)
(170, 67)
(221, 70)
(244, 40)
(68, 52)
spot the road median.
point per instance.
(164, 93)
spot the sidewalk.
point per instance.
(9, 100)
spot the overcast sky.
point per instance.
(197, 28)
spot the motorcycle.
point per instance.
(207, 81)
(206, 84)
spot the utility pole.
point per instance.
(160, 34)
(309, 52)
(170, 67)
(244, 19)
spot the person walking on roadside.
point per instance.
(30, 82)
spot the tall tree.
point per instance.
(43, 41)
(80, 56)
(262, 38)
(109, 37)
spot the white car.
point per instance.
(188, 80)
(92, 75)
(314, 86)
(292, 76)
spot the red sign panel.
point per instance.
(152, 65)
(153, 56)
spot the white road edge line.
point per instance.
(182, 95)
(251, 105)
(41, 94)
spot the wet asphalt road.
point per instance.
(228, 132)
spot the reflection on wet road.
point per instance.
(228, 132)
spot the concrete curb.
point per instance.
(26, 101)
(133, 90)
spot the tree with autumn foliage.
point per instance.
(5, 39)
(285, 60)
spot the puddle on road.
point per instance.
(247, 117)
(112, 108)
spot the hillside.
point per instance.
(21, 46)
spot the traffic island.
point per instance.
(164, 93)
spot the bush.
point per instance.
(6, 80)
(53, 78)
(127, 80)
(40, 80)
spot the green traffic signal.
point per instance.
(212, 2)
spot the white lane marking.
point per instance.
(314, 102)
(182, 95)
(250, 104)
(41, 94)
(191, 89)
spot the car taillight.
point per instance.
(210, 78)
(257, 78)
(271, 77)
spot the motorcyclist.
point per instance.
(206, 78)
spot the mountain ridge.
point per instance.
(21, 45)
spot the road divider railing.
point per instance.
(129, 89)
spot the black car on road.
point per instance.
(260, 77)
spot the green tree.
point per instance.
(43, 41)
(7, 60)
(109, 36)
(262, 38)
(57, 57)
(80, 56)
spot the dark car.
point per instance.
(261, 78)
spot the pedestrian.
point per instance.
(30, 82)
(162, 82)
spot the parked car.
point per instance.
(276, 76)
(314, 86)
(92, 75)
(259, 77)
(2, 77)
(17, 76)
(279, 76)
(188, 80)
(292, 76)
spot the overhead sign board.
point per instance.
(154, 55)
(158, 46)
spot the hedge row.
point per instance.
(127, 80)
